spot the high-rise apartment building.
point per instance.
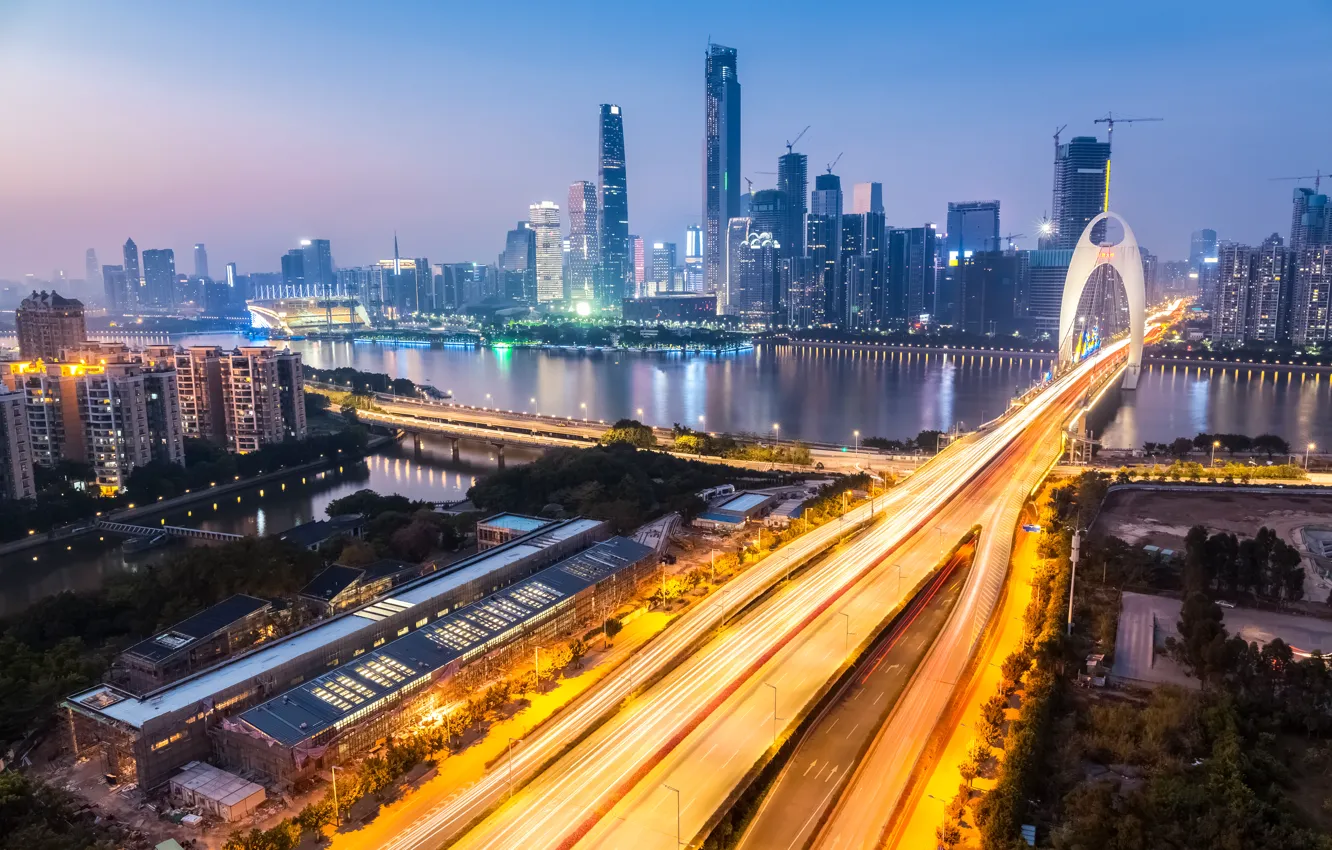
(251, 398)
(159, 277)
(199, 384)
(793, 181)
(1268, 300)
(663, 266)
(48, 324)
(721, 157)
(584, 257)
(613, 251)
(132, 274)
(291, 394)
(694, 280)
(638, 261)
(867, 198)
(1234, 277)
(866, 273)
(16, 461)
(200, 260)
(545, 221)
(1311, 290)
(1079, 187)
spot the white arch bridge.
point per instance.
(1120, 251)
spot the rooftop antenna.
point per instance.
(832, 164)
(791, 143)
(1110, 121)
(1316, 177)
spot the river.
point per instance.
(823, 393)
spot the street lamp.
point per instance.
(774, 710)
(336, 815)
(640, 414)
(677, 811)
(847, 648)
(1310, 447)
(1215, 444)
(583, 405)
(777, 432)
(511, 768)
(701, 420)
(857, 433)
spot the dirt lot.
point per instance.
(1162, 518)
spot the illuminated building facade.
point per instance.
(613, 251)
(16, 462)
(545, 220)
(721, 153)
(584, 257)
(49, 324)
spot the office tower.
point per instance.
(159, 277)
(638, 260)
(868, 282)
(584, 257)
(115, 288)
(291, 394)
(1234, 277)
(800, 291)
(1079, 187)
(1203, 263)
(199, 384)
(991, 293)
(518, 264)
(49, 324)
(251, 398)
(730, 301)
(92, 270)
(1310, 291)
(663, 266)
(1202, 244)
(912, 276)
(545, 220)
(132, 274)
(721, 155)
(973, 226)
(1268, 300)
(317, 267)
(823, 236)
(769, 212)
(793, 181)
(850, 246)
(16, 475)
(867, 198)
(200, 260)
(613, 251)
(293, 273)
(1310, 223)
(694, 279)
(1046, 272)
(754, 270)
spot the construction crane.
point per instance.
(791, 144)
(1316, 177)
(1110, 121)
(749, 186)
(1010, 237)
(833, 164)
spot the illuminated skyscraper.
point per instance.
(1311, 220)
(159, 277)
(545, 221)
(613, 252)
(721, 170)
(1079, 187)
(132, 276)
(518, 264)
(823, 234)
(200, 260)
(793, 180)
(638, 262)
(663, 266)
(693, 269)
(584, 247)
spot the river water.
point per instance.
(822, 393)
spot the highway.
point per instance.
(571, 796)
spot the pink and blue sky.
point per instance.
(251, 125)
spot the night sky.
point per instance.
(249, 126)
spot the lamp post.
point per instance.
(714, 567)
(857, 434)
(1215, 444)
(510, 768)
(337, 819)
(583, 405)
(774, 710)
(847, 647)
(777, 434)
(677, 811)
(1310, 447)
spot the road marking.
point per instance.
(811, 767)
(879, 697)
(832, 773)
(852, 732)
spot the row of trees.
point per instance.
(362, 382)
(688, 441)
(925, 442)
(396, 527)
(1181, 447)
(1264, 565)
(1228, 472)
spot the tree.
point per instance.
(949, 834)
(1201, 646)
(316, 403)
(1271, 444)
(612, 627)
(928, 440)
(1181, 447)
(967, 770)
(631, 432)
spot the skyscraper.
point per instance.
(823, 233)
(132, 276)
(1079, 187)
(912, 264)
(518, 264)
(159, 277)
(293, 273)
(1310, 222)
(793, 180)
(584, 246)
(693, 269)
(663, 266)
(721, 155)
(613, 250)
(545, 221)
(317, 266)
(115, 288)
(974, 226)
(769, 212)
(867, 198)
(638, 264)
(92, 269)
(1268, 293)
(200, 260)
(1310, 292)
(1203, 265)
(1234, 277)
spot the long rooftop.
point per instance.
(355, 690)
(204, 685)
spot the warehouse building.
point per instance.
(146, 737)
(204, 639)
(339, 587)
(736, 512)
(352, 707)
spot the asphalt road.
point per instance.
(819, 767)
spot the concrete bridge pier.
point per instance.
(416, 445)
(453, 445)
(499, 454)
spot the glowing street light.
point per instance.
(583, 405)
(857, 435)
(1308, 449)
(777, 434)
(1215, 444)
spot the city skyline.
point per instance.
(184, 174)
